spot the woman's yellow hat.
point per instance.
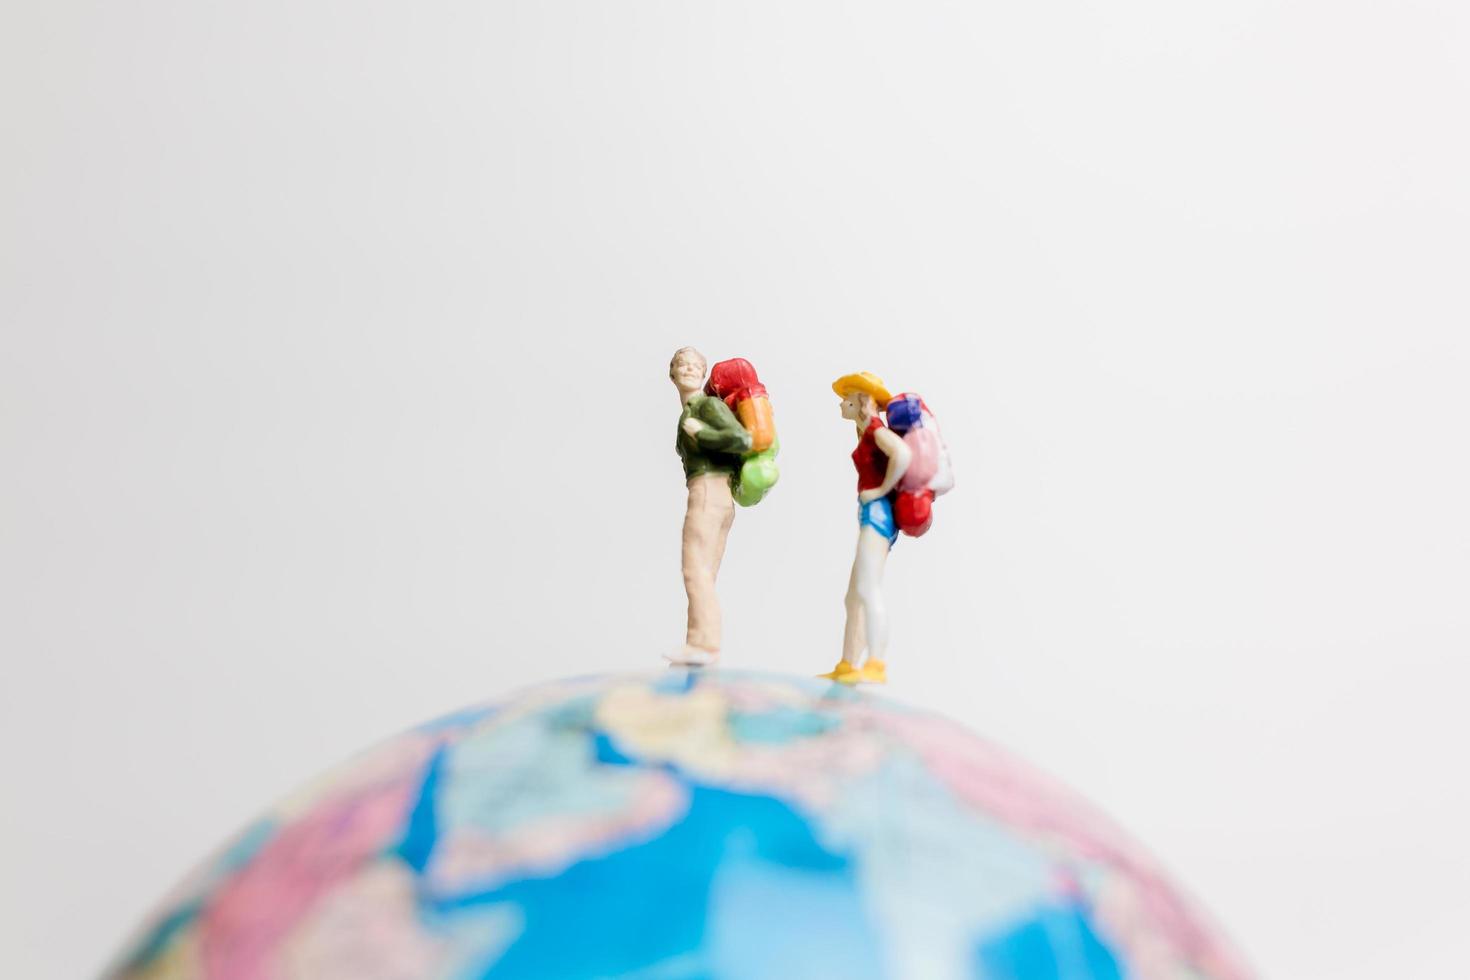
(865, 381)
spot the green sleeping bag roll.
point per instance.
(758, 474)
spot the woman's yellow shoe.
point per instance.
(874, 672)
(843, 673)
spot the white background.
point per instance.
(333, 395)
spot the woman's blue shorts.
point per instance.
(878, 515)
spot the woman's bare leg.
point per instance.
(867, 582)
(854, 631)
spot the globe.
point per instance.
(682, 824)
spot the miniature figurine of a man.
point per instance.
(881, 459)
(712, 443)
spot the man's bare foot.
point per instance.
(689, 656)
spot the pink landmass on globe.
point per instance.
(989, 779)
(254, 911)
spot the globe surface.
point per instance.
(680, 825)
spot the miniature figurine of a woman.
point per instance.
(900, 470)
(881, 459)
(712, 444)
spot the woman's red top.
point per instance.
(871, 462)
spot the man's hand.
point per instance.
(868, 496)
(692, 426)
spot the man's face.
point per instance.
(688, 372)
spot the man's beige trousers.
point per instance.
(706, 524)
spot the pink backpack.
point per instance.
(929, 473)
